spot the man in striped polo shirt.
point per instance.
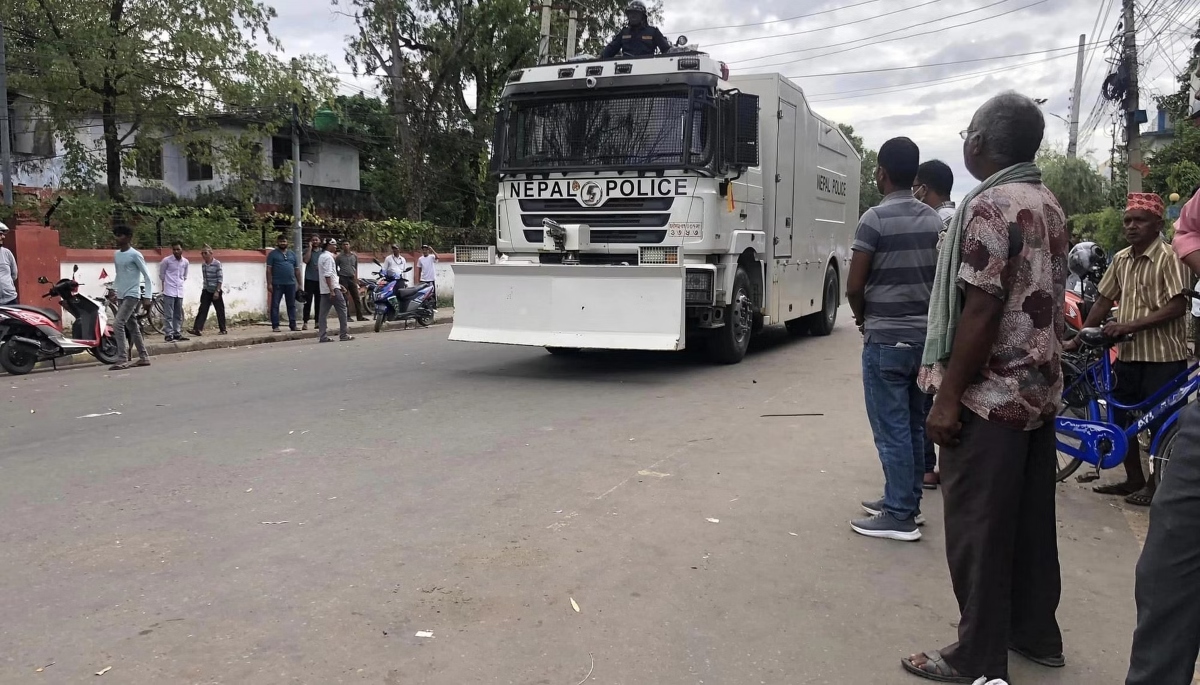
(891, 277)
(1148, 280)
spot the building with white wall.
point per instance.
(329, 161)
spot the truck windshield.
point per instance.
(652, 131)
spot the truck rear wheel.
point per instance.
(822, 322)
(730, 342)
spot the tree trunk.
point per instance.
(112, 144)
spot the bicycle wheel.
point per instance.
(1075, 402)
(155, 320)
(1160, 461)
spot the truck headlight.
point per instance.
(698, 286)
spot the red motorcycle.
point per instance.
(31, 334)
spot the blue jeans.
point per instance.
(287, 293)
(896, 409)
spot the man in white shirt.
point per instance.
(427, 267)
(331, 295)
(173, 272)
(395, 265)
(8, 271)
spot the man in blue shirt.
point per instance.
(131, 274)
(283, 275)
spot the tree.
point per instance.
(868, 193)
(1079, 187)
(161, 66)
(1173, 168)
(429, 54)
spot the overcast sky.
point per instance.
(891, 39)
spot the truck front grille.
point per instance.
(641, 237)
(612, 204)
(600, 220)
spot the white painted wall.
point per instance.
(334, 164)
(244, 289)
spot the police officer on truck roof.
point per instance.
(637, 39)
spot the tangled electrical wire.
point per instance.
(1116, 85)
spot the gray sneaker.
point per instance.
(887, 526)
(876, 508)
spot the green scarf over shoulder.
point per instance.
(945, 303)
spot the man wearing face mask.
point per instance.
(637, 39)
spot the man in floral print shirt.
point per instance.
(996, 398)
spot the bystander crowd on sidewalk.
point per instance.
(891, 274)
(993, 358)
(210, 295)
(173, 273)
(283, 277)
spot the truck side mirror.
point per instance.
(499, 143)
(681, 41)
(740, 127)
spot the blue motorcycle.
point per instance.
(396, 302)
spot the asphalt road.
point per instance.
(295, 513)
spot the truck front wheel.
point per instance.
(730, 342)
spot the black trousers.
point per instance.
(1137, 382)
(206, 301)
(1001, 544)
(312, 299)
(1167, 639)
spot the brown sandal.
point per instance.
(934, 668)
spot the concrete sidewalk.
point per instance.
(250, 334)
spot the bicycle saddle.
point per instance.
(1095, 337)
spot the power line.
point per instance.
(889, 40)
(897, 88)
(776, 21)
(935, 64)
(831, 27)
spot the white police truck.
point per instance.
(656, 203)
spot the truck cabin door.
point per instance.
(785, 181)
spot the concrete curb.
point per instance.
(221, 342)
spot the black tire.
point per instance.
(18, 358)
(106, 351)
(729, 343)
(1159, 462)
(425, 319)
(379, 317)
(154, 321)
(563, 351)
(369, 301)
(822, 323)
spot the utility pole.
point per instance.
(544, 39)
(5, 126)
(1133, 142)
(572, 28)
(297, 227)
(1073, 139)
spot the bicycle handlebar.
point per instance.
(1188, 292)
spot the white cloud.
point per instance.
(929, 104)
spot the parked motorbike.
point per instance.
(366, 294)
(395, 302)
(31, 334)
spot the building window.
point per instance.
(197, 168)
(150, 160)
(281, 152)
(43, 139)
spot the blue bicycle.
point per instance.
(1085, 433)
